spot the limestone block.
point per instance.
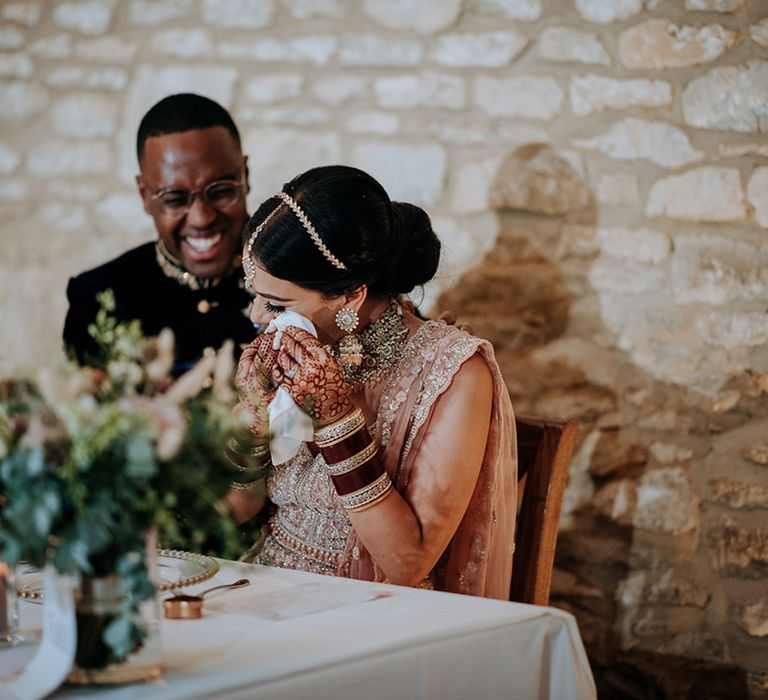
(306, 49)
(471, 185)
(617, 501)
(19, 101)
(642, 245)
(155, 12)
(607, 11)
(434, 90)
(733, 98)
(715, 5)
(724, 401)
(625, 277)
(59, 46)
(425, 16)
(618, 190)
(718, 270)
(86, 16)
(85, 115)
(123, 212)
(490, 49)
(737, 150)
(13, 190)
(596, 93)
(68, 77)
(538, 179)
(9, 159)
(338, 89)
(757, 193)
(108, 49)
(525, 96)
(57, 158)
(757, 453)
(307, 9)
(738, 494)
(79, 191)
(182, 43)
(26, 13)
(273, 88)
(703, 194)
(285, 116)
(239, 14)
(734, 330)
(371, 50)
(754, 619)
(759, 32)
(15, 65)
(10, 38)
(514, 9)
(635, 139)
(737, 548)
(669, 452)
(409, 172)
(566, 45)
(62, 217)
(280, 154)
(577, 241)
(658, 43)
(666, 502)
(372, 122)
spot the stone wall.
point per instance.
(598, 172)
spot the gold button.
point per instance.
(203, 306)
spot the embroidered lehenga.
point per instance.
(309, 529)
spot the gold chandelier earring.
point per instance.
(350, 347)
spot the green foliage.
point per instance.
(91, 459)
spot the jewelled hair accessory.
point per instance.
(313, 234)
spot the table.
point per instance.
(292, 635)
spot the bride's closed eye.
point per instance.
(272, 308)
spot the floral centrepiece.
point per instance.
(93, 459)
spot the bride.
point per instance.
(411, 475)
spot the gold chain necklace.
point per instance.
(383, 342)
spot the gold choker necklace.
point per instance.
(382, 342)
(173, 269)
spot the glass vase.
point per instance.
(9, 608)
(99, 600)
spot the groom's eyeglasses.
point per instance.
(218, 194)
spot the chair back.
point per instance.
(544, 449)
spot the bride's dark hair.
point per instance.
(389, 246)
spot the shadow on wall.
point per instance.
(531, 297)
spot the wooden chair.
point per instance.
(544, 449)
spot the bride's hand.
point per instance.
(312, 376)
(254, 374)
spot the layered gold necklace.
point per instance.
(383, 342)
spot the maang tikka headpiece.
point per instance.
(301, 216)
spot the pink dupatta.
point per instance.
(478, 560)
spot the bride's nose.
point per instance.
(259, 314)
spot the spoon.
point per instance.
(189, 607)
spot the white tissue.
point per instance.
(289, 426)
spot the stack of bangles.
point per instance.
(353, 462)
(245, 463)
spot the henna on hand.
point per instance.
(312, 376)
(254, 379)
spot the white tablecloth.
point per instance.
(296, 635)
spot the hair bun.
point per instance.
(414, 252)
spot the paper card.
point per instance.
(295, 601)
(51, 665)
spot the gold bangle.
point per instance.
(336, 432)
(368, 495)
(246, 485)
(353, 462)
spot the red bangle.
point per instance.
(346, 448)
(358, 478)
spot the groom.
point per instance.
(193, 179)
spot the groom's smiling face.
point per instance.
(206, 238)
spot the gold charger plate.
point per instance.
(175, 569)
